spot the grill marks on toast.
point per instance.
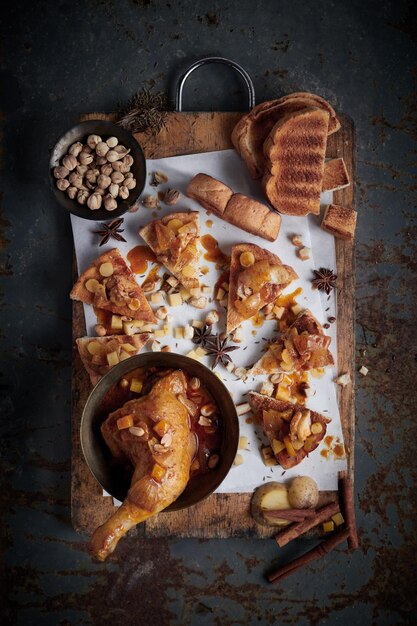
(294, 151)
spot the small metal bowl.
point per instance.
(98, 457)
(104, 129)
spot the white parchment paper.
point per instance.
(229, 168)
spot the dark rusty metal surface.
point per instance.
(62, 59)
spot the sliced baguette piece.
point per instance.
(211, 193)
(116, 290)
(280, 420)
(250, 133)
(307, 350)
(180, 253)
(339, 221)
(235, 208)
(335, 175)
(121, 347)
(295, 151)
(271, 289)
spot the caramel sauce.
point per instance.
(328, 440)
(254, 333)
(339, 450)
(214, 254)
(223, 278)
(296, 386)
(205, 270)
(258, 319)
(249, 420)
(138, 257)
(325, 453)
(287, 301)
(153, 275)
(209, 223)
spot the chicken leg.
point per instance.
(161, 457)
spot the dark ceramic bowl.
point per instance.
(98, 456)
(104, 129)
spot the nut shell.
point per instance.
(70, 162)
(93, 141)
(60, 171)
(110, 203)
(76, 148)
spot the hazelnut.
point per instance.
(100, 191)
(76, 180)
(130, 183)
(112, 142)
(85, 158)
(114, 190)
(75, 149)
(93, 141)
(101, 160)
(102, 149)
(123, 192)
(94, 201)
(91, 176)
(113, 156)
(72, 192)
(117, 166)
(70, 162)
(110, 203)
(81, 169)
(103, 181)
(106, 169)
(100, 330)
(62, 184)
(82, 196)
(60, 171)
(117, 177)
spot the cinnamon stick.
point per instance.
(296, 530)
(297, 515)
(323, 548)
(348, 509)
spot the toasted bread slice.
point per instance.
(289, 428)
(175, 241)
(251, 287)
(304, 346)
(339, 221)
(211, 193)
(335, 175)
(295, 150)
(109, 284)
(100, 354)
(250, 133)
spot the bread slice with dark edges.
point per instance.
(289, 427)
(100, 354)
(266, 278)
(110, 284)
(294, 151)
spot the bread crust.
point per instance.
(234, 317)
(295, 151)
(239, 210)
(211, 193)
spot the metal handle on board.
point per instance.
(238, 68)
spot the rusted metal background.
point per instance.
(64, 58)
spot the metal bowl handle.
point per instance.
(247, 79)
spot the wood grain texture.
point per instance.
(220, 515)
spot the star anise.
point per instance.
(219, 349)
(325, 280)
(202, 335)
(111, 230)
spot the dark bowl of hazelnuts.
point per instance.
(97, 170)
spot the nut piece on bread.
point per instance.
(339, 221)
(212, 194)
(295, 151)
(235, 208)
(251, 131)
(335, 175)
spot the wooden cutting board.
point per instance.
(221, 515)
